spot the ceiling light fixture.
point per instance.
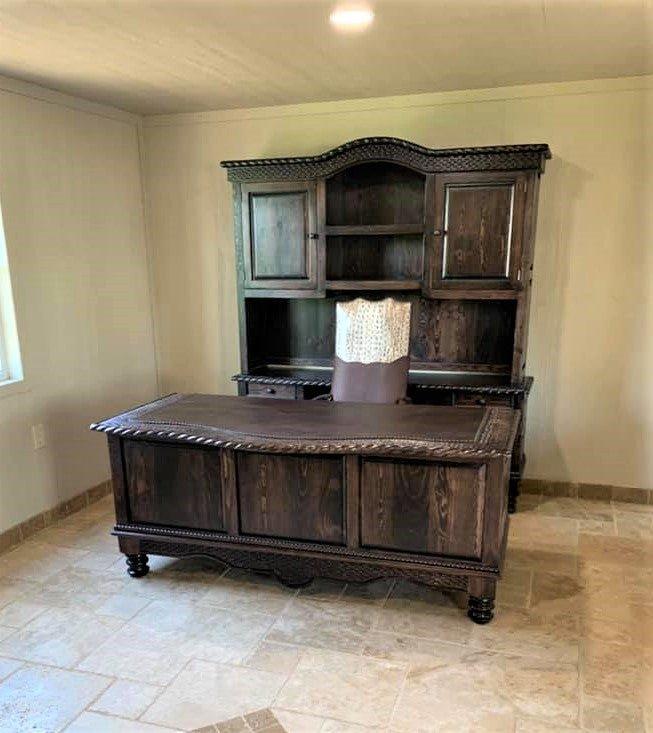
(351, 19)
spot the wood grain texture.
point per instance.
(279, 235)
(179, 486)
(398, 257)
(375, 194)
(478, 230)
(479, 219)
(296, 497)
(463, 331)
(424, 508)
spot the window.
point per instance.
(10, 364)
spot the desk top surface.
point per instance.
(302, 426)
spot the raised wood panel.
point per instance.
(294, 497)
(422, 507)
(280, 235)
(172, 485)
(479, 220)
(477, 223)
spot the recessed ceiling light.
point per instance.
(351, 18)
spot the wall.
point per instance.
(591, 345)
(71, 200)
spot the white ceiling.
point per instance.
(162, 56)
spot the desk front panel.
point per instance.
(173, 485)
(428, 508)
(291, 497)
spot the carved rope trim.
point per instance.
(271, 544)
(284, 565)
(401, 447)
(495, 418)
(520, 388)
(427, 160)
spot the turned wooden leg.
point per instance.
(137, 565)
(513, 495)
(481, 600)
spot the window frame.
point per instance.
(11, 363)
(5, 374)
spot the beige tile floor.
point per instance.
(85, 648)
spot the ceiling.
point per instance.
(163, 56)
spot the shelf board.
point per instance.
(427, 379)
(352, 230)
(373, 285)
(472, 294)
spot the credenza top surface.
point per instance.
(320, 427)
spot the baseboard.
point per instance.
(20, 532)
(598, 492)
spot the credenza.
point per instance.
(451, 230)
(306, 489)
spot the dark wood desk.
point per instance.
(304, 489)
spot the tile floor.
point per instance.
(86, 649)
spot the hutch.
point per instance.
(452, 230)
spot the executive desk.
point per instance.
(305, 489)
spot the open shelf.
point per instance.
(352, 230)
(373, 285)
(364, 258)
(378, 192)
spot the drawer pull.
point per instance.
(270, 390)
(481, 401)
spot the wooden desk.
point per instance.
(305, 489)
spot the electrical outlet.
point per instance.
(38, 436)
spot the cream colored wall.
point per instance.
(71, 200)
(591, 346)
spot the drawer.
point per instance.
(278, 391)
(470, 399)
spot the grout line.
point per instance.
(164, 688)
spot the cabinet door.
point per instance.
(280, 235)
(479, 221)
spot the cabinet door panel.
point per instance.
(423, 507)
(175, 486)
(279, 235)
(293, 497)
(479, 221)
